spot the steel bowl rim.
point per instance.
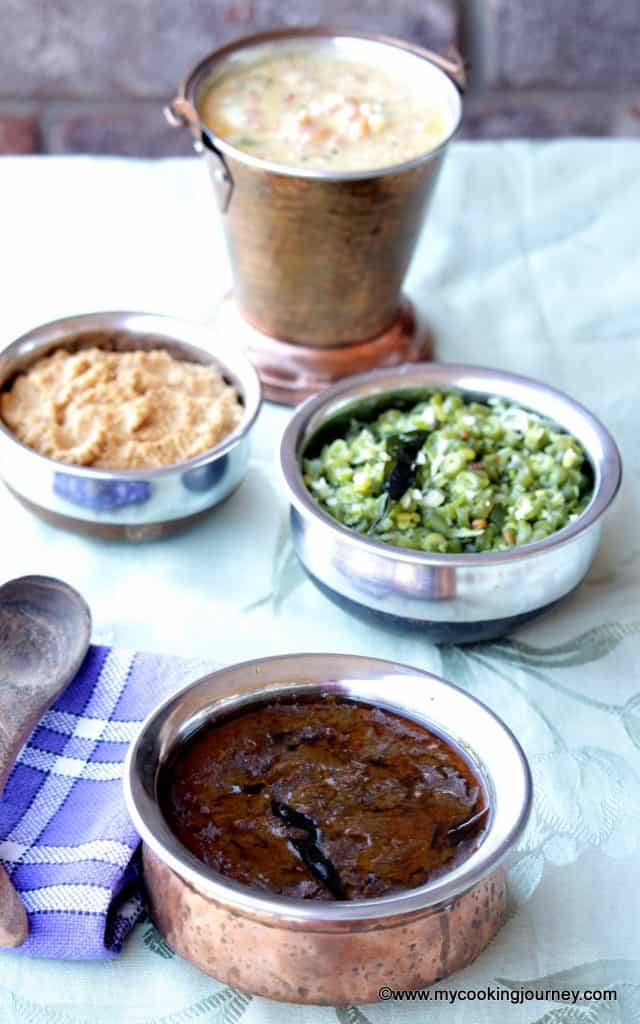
(193, 78)
(84, 321)
(605, 486)
(158, 836)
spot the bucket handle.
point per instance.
(180, 113)
(452, 64)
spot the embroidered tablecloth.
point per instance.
(529, 261)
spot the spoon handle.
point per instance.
(14, 924)
(45, 628)
(13, 917)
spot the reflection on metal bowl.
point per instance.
(203, 478)
(100, 495)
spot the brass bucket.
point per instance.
(319, 257)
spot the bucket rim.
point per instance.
(450, 69)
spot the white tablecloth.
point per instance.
(529, 261)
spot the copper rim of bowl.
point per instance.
(602, 450)
(195, 78)
(169, 332)
(509, 796)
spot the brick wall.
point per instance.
(91, 76)
(547, 68)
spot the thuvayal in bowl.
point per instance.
(124, 424)
(138, 409)
(316, 826)
(456, 499)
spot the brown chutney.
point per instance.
(323, 799)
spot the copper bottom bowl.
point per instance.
(340, 953)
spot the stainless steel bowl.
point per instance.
(128, 504)
(329, 952)
(450, 598)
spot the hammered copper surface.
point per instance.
(317, 260)
(322, 262)
(290, 373)
(323, 963)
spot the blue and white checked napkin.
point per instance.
(65, 837)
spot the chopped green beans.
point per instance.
(488, 476)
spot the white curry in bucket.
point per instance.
(314, 108)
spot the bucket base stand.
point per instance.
(290, 372)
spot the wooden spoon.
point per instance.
(45, 629)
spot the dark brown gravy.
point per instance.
(323, 799)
